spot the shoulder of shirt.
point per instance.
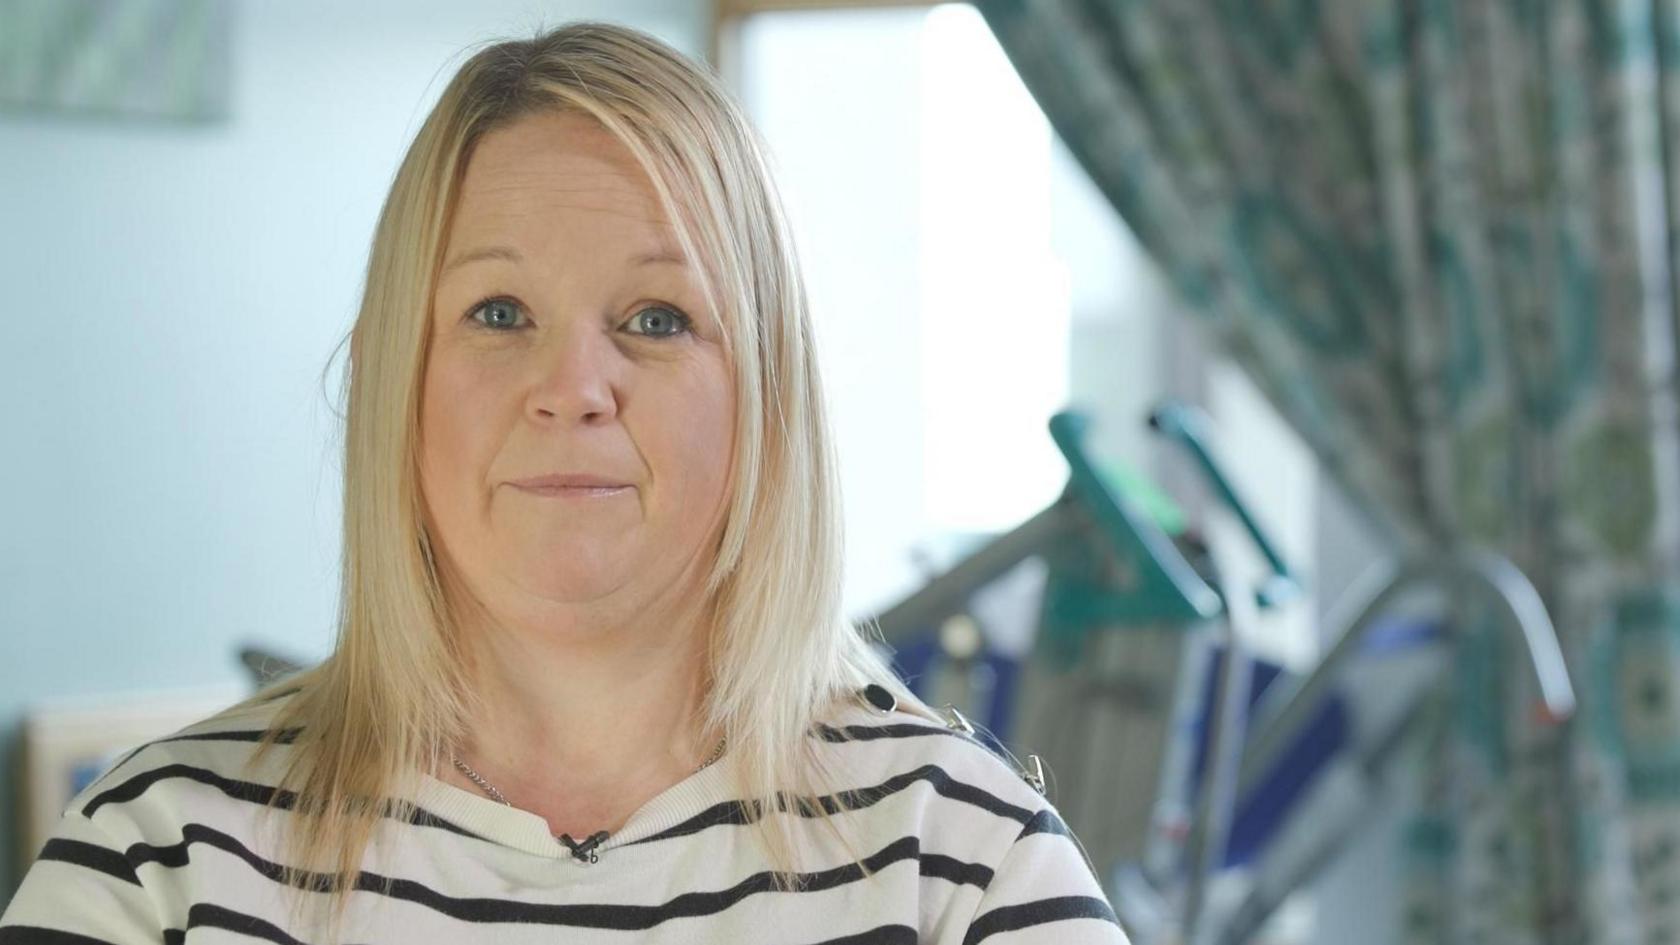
(219, 747)
(874, 746)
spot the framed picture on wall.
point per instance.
(152, 60)
(66, 746)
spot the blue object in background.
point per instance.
(1262, 811)
(84, 772)
(1328, 730)
(915, 660)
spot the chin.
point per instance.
(573, 581)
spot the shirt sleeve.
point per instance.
(1044, 893)
(81, 889)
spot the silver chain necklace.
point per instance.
(581, 849)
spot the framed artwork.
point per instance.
(66, 746)
(152, 59)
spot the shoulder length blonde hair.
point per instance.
(393, 696)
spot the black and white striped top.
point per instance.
(164, 848)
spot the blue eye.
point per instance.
(678, 321)
(503, 315)
(487, 305)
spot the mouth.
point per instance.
(575, 492)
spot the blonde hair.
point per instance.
(393, 696)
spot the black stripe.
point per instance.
(1045, 821)
(249, 791)
(204, 915)
(957, 871)
(586, 915)
(736, 813)
(90, 856)
(286, 737)
(35, 935)
(1037, 912)
(885, 935)
(125, 759)
(138, 784)
(120, 762)
(869, 733)
(174, 937)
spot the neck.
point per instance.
(584, 718)
(611, 710)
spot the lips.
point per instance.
(576, 492)
(580, 481)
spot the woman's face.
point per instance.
(567, 339)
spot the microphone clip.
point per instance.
(584, 851)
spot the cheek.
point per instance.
(701, 432)
(449, 433)
(716, 426)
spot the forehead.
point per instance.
(557, 170)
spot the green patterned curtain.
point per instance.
(1442, 237)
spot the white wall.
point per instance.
(170, 486)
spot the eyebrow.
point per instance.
(509, 254)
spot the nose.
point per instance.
(577, 375)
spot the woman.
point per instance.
(593, 676)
